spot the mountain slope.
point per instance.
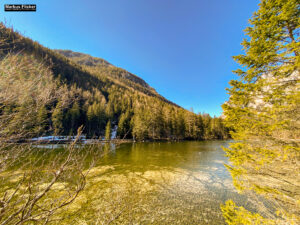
(85, 91)
(115, 74)
(87, 60)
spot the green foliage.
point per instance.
(108, 130)
(75, 115)
(235, 215)
(264, 108)
(42, 119)
(57, 119)
(96, 118)
(124, 125)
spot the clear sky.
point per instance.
(182, 48)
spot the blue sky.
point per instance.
(182, 48)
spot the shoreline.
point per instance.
(97, 141)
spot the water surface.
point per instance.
(160, 183)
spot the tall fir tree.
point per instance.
(74, 117)
(263, 110)
(42, 120)
(57, 119)
(108, 131)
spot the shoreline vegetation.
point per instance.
(96, 141)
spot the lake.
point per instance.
(143, 183)
(161, 183)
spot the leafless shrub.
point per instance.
(35, 185)
(26, 85)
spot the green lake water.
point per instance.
(163, 183)
(156, 183)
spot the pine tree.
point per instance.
(57, 118)
(263, 110)
(108, 131)
(124, 125)
(200, 127)
(42, 119)
(90, 117)
(74, 113)
(207, 126)
(140, 124)
(180, 125)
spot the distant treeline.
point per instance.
(43, 92)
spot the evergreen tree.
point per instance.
(154, 117)
(124, 125)
(200, 127)
(74, 117)
(42, 119)
(90, 117)
(263, 111)
(207, 122)
(108, 131)
(57, 119)
(180, 125)
(140, 124)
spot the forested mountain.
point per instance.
(105, 67)
(47, 91)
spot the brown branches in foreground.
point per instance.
(36, 185)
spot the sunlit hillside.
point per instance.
(87, 91)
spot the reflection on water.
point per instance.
(110, 146)
(158, 183)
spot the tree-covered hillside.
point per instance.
(45, 91)
(101, 65)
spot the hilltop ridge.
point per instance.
(87, 60)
